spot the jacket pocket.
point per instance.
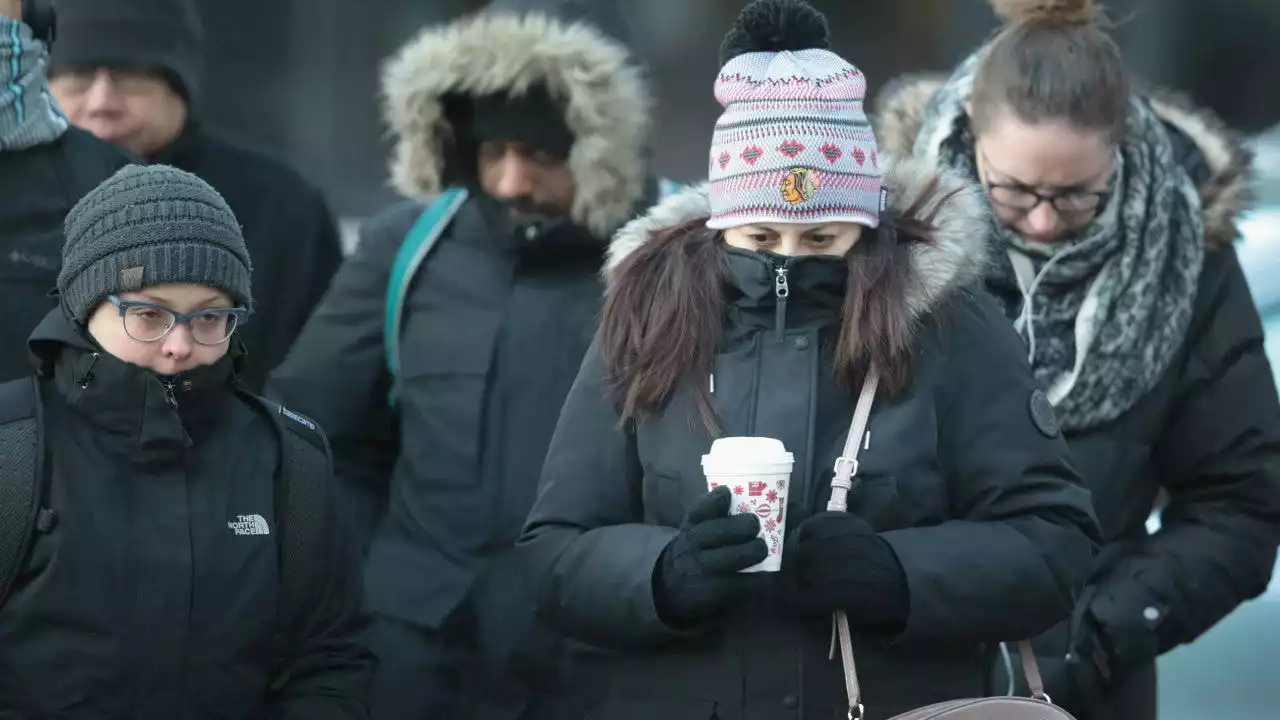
(662, 496)
(876, 499)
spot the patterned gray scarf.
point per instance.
(1110, 305)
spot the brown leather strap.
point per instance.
(1031, 669)
(845, 470)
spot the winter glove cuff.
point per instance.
(1127, 616)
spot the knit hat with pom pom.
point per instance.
(793, 144)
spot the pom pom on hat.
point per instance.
(774, 26)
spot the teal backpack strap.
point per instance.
(417, 245)
(668, 187)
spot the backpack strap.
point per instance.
(422, 237)
(21, 468)
(300, 507)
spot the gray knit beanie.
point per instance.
(150, 225)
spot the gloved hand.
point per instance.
(836, 561)
(697, 573)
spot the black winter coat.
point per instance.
(38, 187)
(494, 328)
(152, 596)
(991, 526)
(1203, 446)
(288, 229)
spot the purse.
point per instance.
(1037, 707)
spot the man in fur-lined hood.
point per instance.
(1114, 260)
(529, 123)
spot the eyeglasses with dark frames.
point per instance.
(148, 322)
(1072, 205)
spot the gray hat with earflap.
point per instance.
(150, 225)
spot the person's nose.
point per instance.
(1042, 222)
(790, 246)
(515, 177)
(178, 344)
(102, 97)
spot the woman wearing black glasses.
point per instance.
(1115, 264)
(169, 544)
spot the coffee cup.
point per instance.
(757, 470)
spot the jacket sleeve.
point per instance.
(1019, 549)
(330, 671)
(336, 372)
(1219, 461)
(590, 555)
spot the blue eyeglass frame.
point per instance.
(180, 318)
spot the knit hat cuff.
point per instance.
(171, 262)
(758, 216)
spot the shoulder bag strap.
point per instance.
(846, 468)
(422, 238)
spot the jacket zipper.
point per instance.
(169, 397)
(782, 289)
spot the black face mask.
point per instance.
(765, 276)
(802, 290)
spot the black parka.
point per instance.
(154, 593)
(974, 494)
(1203, 446)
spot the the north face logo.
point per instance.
(249, 525)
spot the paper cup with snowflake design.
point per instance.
(758, 471)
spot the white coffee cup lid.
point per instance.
(747, 451)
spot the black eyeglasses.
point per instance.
(1071, 205)
(147, 322)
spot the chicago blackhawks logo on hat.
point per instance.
(800, 184)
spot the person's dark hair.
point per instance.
(664, 312)
(1053, 60)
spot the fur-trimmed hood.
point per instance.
(607, 103)
(954, 206)
(900, 108)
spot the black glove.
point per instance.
(836, 561)
(697, 573)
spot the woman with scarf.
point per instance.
(759, 306)
(1113, 258)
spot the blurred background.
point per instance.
(300, 77)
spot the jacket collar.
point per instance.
(150, 417)
(815, 290)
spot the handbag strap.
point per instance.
(846, 468)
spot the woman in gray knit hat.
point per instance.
(185, 557)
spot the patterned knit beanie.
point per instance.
(793, 144)
(150, 225)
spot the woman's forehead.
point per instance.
(178, 294)
(1044, 154)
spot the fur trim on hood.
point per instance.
(900, 109)
(944, 199)
(607, 103)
